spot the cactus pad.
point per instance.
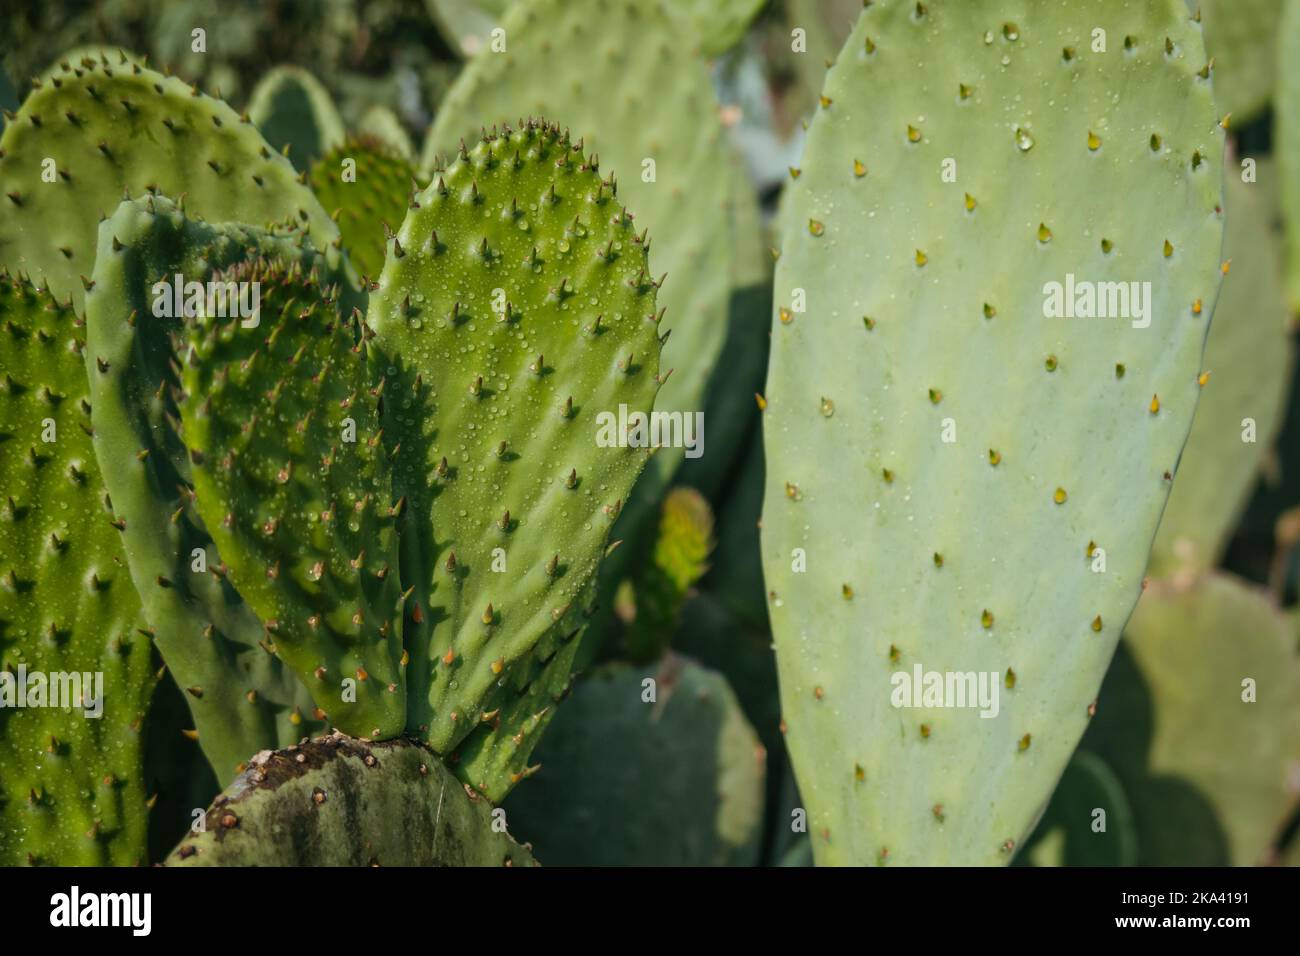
(73, 790)
(296, 114)
(944, 460)
(337, 801)
(110, 129)
(242, 698)
(1248, 363)
(292, 477)
(515, 307)
(624, 78)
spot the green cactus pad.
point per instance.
(292, 478)
(1073, 832)
(674, 782)
(496, 754)
(242, 698)
(73, 791)
(678, 560)
(943, 459)
(111, 130)
(515, 309)
(1241, 36)
(367, 186)
(337, 801)
(296, 115)
(1248, 362)
(623, 76)
(1210, 775)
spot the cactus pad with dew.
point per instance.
(957, 480)
(516, 319)
(625, 79)
(242, 698)
(338, 801)
(70, 741)
(292, 477)
(102, 128)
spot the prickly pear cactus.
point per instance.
(336, 801)
(515, 320)
(291, 476)
(296, 115)
(1248, 364)
(95, 132)
(367, 186)
(75, 669)
(956, 482)
(242, 698)
(676, 780)
(624, 77)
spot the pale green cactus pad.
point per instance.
(1248, 363)
(243, 700)
(516, 312)
(677, 781)
(623, 77)
(85, 137)
(338, 801)
(1200, 719)
(296, 114)
(72, 792)
(947, 466)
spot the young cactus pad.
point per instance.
(338, 801)
(242, 698)
(959, 483)
(624, 77)
(516, 317)
(72, 791)
(292, 477)
(89, 134)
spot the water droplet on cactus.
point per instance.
(1024, 139)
